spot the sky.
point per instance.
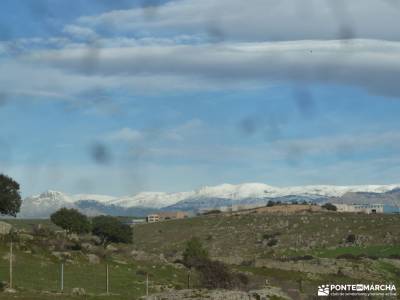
(119, 97)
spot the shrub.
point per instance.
(267, 236)
(71, 220)
(272, 242)
(212, 212)
(347, 256)
(270, 203)
(217, 275)
(194, 253)
(329, 206)
(3, 285)
(111, 230)
(351, 238)
(214, 275)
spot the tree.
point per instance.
(10, 199)
(194, 253)
(111, 230)
(270, 203)
(71, 220)
(329, 206)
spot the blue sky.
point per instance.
(130, 96)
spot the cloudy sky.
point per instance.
(117, 97)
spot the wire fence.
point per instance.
(27, 271)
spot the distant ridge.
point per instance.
(44, 204)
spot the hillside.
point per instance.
(244, 237)
(293, 252)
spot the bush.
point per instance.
(3, 285)
(212, 212)
(351, 238)
(272, 242)
(217, 275)
(267, 236)
(194, 253)
(329, 206)
(111, 230)
(299, 258)
(71, 220)
(347, 256)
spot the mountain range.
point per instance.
(141, 204)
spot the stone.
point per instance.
(93, 258)
(111, 248)
(5, 228)
(24, 237)
(78, 292)
(267, 293)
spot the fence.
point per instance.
(29, 270)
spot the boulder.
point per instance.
(267, 293)
(62, 255)
(78, 292)
(111, 248)
(5, 228)
(93, 258)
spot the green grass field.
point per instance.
(37, 273)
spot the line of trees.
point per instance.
(108, 229)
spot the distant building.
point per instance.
(153, 218)
(361, 208)
(172, 215)
(134, 222)
(163, 216)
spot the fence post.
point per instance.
(107, 280)
(11, 264)
(62, 277)
(188, 279)
(147, 284)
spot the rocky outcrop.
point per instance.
(267, 293)
(324, 266)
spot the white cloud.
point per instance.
(371, 64)
(125, 135)
(257, 20)
(80, 32)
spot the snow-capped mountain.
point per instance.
(206, 197)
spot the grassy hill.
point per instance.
(294, 252)
(245, 237)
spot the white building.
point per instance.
(360, 208)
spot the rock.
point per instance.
(24, 237)
(7, 256)
(10, 291)
(73, 237)
(93, 258)
(120, 262)
(87, 247)
(62, 255)
(78, 292)
(267, 293)
(111, 248)
(143, 256)
(5, 228)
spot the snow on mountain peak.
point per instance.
(50, 201)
